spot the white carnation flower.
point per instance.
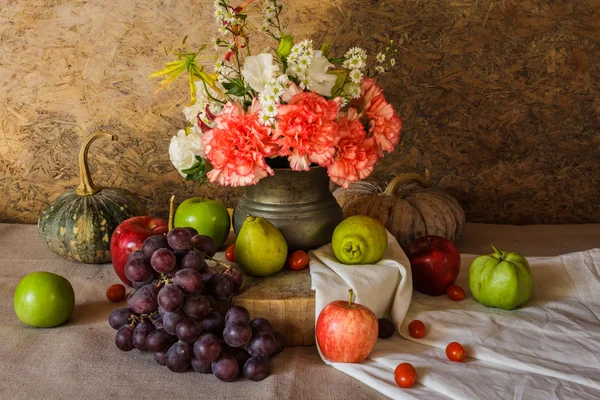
(183, 149)
(259, 70)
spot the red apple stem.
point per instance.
(171, 211)
(351, 292)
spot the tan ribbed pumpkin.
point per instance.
(409, 207)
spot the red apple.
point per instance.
(130, 236)
(346, 331)
(435, 263)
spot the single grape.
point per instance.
(188, 281)
(179, 357)
(191, 230)
(386, 328)
(237, 313)
(202, 367)
(179, 239)
(214, 323)
(237, 334)
(159, 340)
(193, 259)
(170, 321)
(136, 254)
(119, 317)
(154, 243)
(239, 353)
(163, 260)
(205, 244)
(161, 311)
(137, 285)
(158, 323)
(207, 348)
(140, 333)
(170, 297)
(280, 340)
(260, 324)
(207, 273)
(161, 358)
(221, 287)
(257, 368)
(124, 338)
(143, 300)
(196, 306)
(138, 269)
(188, 330)
(236, 278)
(263, 344)
(225, 368)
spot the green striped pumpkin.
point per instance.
(78, 225)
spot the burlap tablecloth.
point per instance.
(80, 361)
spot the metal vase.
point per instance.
(298, 203)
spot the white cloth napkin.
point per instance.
(548, 349)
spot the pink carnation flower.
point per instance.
(237, 146)
(384, 123)
(357, 153)
(307, 131)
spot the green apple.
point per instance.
(44, 300)
(208, 217)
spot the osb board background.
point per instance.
(500, 99)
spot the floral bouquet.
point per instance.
(291, 106)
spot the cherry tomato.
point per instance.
(455, 293)
(298, 260)
(230, 253)
(115, 293)
(455, 352)
(405, 375)
(416, 329)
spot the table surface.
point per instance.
(79, 359)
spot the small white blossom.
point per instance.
(265, 119)
(380, 58)
(392, 62)
(356, 76)
(380, 69)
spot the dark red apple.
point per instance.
(435, 264)
(346, 331)
(129, 236)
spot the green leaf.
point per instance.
(236, 91)
(229, 85)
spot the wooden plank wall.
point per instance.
(500, 99)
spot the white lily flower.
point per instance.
(259, 70)
(183, 149)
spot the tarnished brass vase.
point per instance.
(298, 203)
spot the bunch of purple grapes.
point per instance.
(171, 313)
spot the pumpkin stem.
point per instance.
(86, 186)
(392, 187)
(171, 212)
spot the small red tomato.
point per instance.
(416, 329)
(405, 375)
(230, 253)
(455, 293)
(455, 352)
(298, 260)
(115, 293)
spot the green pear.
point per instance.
(260, 248)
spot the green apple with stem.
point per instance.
(44, 300)
(208, 217)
